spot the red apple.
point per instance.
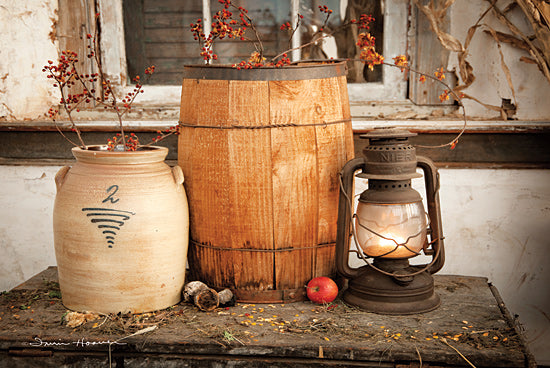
(321, 290)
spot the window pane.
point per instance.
(267, 16)
(157, 33)
(344, 40)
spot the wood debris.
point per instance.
(75, 319)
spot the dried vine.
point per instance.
(537, 12)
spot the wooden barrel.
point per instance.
(261, 151)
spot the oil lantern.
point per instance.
(389, 226)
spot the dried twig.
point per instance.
(435, 15)
(452, 143)
(444, 340)
(230, 337)
(419, 356)
(140, 332)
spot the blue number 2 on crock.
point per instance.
(111, 191)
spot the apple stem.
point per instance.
(315, 288)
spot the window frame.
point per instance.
(113, 57)
(367, 109)
(394, 85)
(113, 54)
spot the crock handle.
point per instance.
(178, 174)
(60, 176)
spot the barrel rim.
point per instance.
(314, 69)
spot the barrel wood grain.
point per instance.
(251, 185)
(294, 180)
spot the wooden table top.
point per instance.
(470, 328)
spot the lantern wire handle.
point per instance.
(360, 251)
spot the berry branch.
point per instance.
(402, 63)
(225, 25)
(65, 75)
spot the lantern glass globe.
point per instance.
(391, 230)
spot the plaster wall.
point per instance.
(26, 234)
(495, 224)
(27, 42)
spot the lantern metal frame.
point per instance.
(389, 285)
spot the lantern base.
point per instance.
(379, 293)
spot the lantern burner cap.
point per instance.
(388, 133)
(389, 155)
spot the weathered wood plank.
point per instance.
(428, 56)
(170, 65)
(183, 34)
(176, 34)
(517, 150)
(173, 5)
(477, 148)
(169, 78)
(74, 23)
(171, 20)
